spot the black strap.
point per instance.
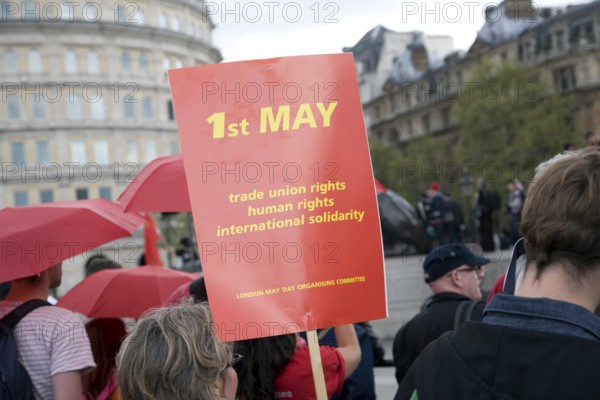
(12, 318)
(459, 318)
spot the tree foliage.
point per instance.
(508, 122)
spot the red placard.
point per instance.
(282, 193)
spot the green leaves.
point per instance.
(509, 121)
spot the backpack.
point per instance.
(460, 315)
(15, 381)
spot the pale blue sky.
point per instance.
(264, 28)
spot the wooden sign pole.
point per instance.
(316, 364)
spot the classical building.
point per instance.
(420, 92)
(85, 95)
(375, 55)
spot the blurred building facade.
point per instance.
(85, 94)
(375, 55)
(562, 43)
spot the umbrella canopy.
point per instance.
(34, 238)
(379, 188)
(124, 293)
(161, 186)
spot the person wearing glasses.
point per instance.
(540, 339)
(173, 353)
(454, 275)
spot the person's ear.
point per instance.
(456, 279)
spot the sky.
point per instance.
(248, 30)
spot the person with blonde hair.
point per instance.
(173, 353)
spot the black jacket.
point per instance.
(439, 315)
(480, 361)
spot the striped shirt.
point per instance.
(50, 340)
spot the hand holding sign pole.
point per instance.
(281, 187)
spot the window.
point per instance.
(93, 61)
(30, 11)
(125, 67)
(98, 111)
(129, 110)
(101, 151)
(70, 62)
(528, 51)
(67, 11)
(426, 124)
(150, 150)
(564, 78)
(42, 152)
(147, 107)
(75, 107)
(178, 63)
(17, 152)
(132, 151)
(560, 40)
(34, 61)
(81, 194)
(38, 109)
(162, 20)
(410, 128)
(78, 152)
(105, 193)
(166, 64)
(174, 147)
(459, 78)
(7, 11)
(446, 117)
(120, 13)
(138, 17)
(170, 110)
(13, 107)
(46, 196)
(21, 199)
(175, 24)
(394, 136)
(392, 103)
(143, 61)
(585, 71)
(10, 61)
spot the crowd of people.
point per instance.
(446, 222)
(536, 337)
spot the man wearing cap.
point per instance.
(454, 275)
(539, 340)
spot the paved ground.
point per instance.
(385, 383)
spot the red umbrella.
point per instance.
(379, 188)
(151, 236)
(124, 293)
(161, 186)
(37, 237)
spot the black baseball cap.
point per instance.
(448, 257)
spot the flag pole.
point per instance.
(316, 364)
